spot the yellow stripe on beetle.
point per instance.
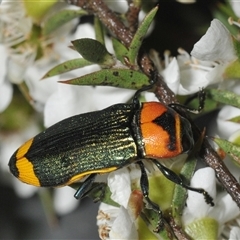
(25, 167)
(26, 172)
(24, 149)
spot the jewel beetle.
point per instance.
(103, 141)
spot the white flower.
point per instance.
(119, 183)
(6, 89)
(198, 213)
(119, 222)
(30, 57)
(115, 223)
(224, 126)
(15, 24)
(211, 55)
(234, 233)
(215, 45)
(118, 6)
(235, 6)
(185, 75)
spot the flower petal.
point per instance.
(215, 45)
(203, 178)
(225, 210)
(3, 61)
(123, 227)
(6, 92)
(69, 100)
(235, 7)
(64, 202)
(171, 75)
(192, 80)
(105, 96)
(225, 128)
(120, 185)
(23, 190)
(234, 233)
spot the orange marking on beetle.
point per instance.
(156, 140)
(151, 110)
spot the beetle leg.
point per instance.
(201, 97)
(172, 176)
(145, 190)
(85, 187)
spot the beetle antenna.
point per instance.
(153, 80)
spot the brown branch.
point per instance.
(165, 95)
(107, 17)
(224, 176)
(132, 15)
(177, 230)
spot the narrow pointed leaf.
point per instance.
(203, 228)
(147, 225)
(139, 35)
(234, 119)
(233, 150)
(67, 66)
(61, 18)
(123, 78)
(94, 51)
(99, 32)
(120, 50)
(233, 70)
(223, 96)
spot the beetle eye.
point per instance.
(187, 137)
(187, 142)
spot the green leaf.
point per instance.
(99, 32)
(224, 96)
(120, 50)
(60, 18)
(158, 184)
(234, 119)
(94, 51)
(203, 228)
(139, 35)
(233, 150)
(123, 78)
(67, 66)
(147, 225)
(237, 50)
(233, 70)
(180, 193)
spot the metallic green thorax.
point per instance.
(84, 142)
